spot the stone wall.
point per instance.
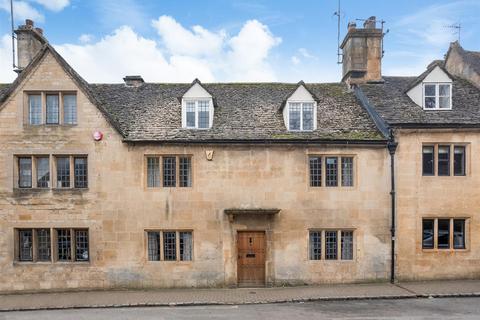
(436, 197)
(118, 208)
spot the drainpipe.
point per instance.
(392, 147)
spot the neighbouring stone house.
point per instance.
(236, 184)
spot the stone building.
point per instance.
(232, 184)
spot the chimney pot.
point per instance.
(29, 22)
(133, 81)
(352, 26)
(370, 23)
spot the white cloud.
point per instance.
(22, 10)
(295, 60)
(180, 55)
(53, 5)
(86, 38)
(181, 41)
(6, 69)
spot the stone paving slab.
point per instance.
(178, 297)
(444, 288)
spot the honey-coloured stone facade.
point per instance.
(117, 208)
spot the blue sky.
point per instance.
(243, 40)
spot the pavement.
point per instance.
(391, 309)
(195, 297)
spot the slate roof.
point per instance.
(243, 112)
(397, 109)
(3, 88)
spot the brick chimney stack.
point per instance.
(362, 53)
(29, 41)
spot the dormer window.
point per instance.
(300, 116)
(437, 96)
(197, 107)
(197, 114)
(300, 110)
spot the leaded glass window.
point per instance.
(203, 114)
(190, 114)
(347, 245)
(169, 171)
(25, 245)
(315, 171)
(43, 245)
(331, 245)
(185, 171)
(347, 171)
(315, 245)
(25, 172)
(169, 246)
(64, 245)
(63, 172)
(81, 245)
(153, 246)
(35, 109)
(153, 172)
(331, 167)
(43, 172)
(294, 116)
(53, 108)
(81, 172)
(185, 245)
(70, 108)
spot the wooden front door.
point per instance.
(251, 258)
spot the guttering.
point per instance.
(262, 141)
(392, 147)
(385, 129)
(436, 125)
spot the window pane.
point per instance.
(169, 246)
(81, 245)
(203, 114)
(308, 116)
(169, 171)
(428, 160)
(347, 171)
(25, 245)
(443, 160)
(43, 246)
(331, 245)
(185, 171)
(294, 116)
(64, 245)
(459, 234)
(459, 160)
(444, 102)
(153, 246)
(430, 103)
(25, 172)
(315, 171)
(331, 172)
(185, 246)
(35, 109)
(153, 172)
(443, 233)
(52, 109)
(70, 109)
(63, 172)
(430, 90)
(444, 90)
(427, 233)
(81, 172)
(190, 109)
(347, 245)
(315, 245)
(43, 172)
